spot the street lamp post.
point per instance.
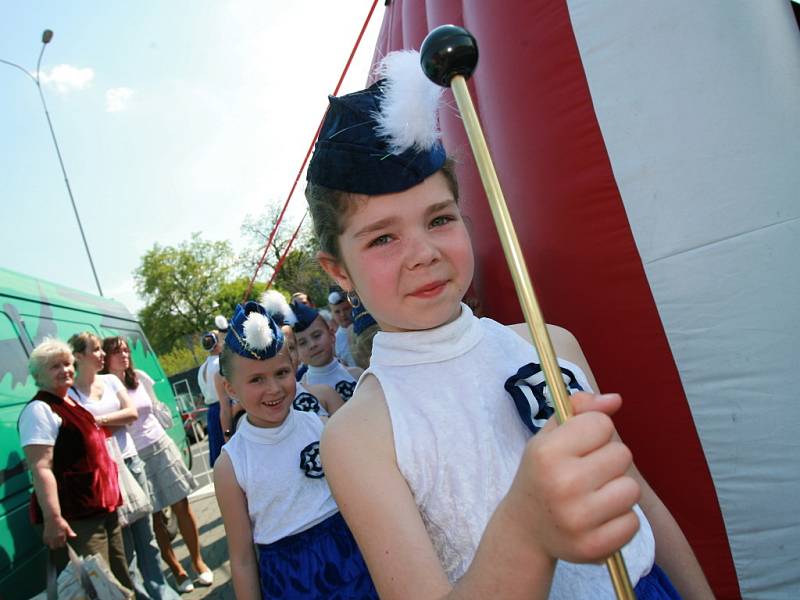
(47, 35)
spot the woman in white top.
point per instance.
(169, 481)
(106, 398)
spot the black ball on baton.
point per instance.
(448, 51)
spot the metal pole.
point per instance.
(46, 37)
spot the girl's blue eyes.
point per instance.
(442, 220)
(380, 241)
(439, 221)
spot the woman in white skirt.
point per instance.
(169, 480)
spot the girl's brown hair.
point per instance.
(330, 209)
(113, 345)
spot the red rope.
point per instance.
(286, 252)
(305, 160)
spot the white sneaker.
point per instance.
(206, 578)
(186, 586)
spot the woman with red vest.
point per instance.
(76, 491)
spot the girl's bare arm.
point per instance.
(238, 532)
(359, 460)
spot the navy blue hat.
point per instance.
(252, 333)
(362, 319)
(383, 139)
(305, 316)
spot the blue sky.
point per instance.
(172, 117)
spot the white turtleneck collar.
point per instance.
(325, 370)
(267, 435)
(430, 345)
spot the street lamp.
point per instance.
(47, 35)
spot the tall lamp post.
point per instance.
(47, 35)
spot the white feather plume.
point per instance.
(257, 332)
(275, 304)
(408, 115)
(221, 322)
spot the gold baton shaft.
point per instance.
(522, 283)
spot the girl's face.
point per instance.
(58, 375)
(408, 256)
(91, 359)
(265, 388)
(120, 360)
(315, 343)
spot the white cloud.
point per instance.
(66, 78)
(117, 99)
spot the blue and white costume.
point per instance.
(305, 549)
(465, 462)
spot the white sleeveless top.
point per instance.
(280, 473)
(335, 375)
(459, 445)
(307, 402)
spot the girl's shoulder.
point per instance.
(363, 422)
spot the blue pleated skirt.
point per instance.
(655, 586)
(321, 562)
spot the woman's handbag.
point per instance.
(135, 501)
(160, 410)
(84, 579)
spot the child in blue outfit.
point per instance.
(443, 462)
(270, 484)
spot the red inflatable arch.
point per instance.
(632, 143)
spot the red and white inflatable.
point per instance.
(649, 155)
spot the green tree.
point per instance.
(182, 358)
(180, 286)
(231, 293)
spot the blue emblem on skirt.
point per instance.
(529, 391)
(321, 562)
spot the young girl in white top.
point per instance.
(269, 481)
(432, 461)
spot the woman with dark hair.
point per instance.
(168, 480)
(76, 490)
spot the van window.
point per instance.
(13, 358)
(63, 329)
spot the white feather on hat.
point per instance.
(409, 111)
(257, 332)
(275, 304)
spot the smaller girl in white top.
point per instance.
(269, 480)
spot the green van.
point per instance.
(30, 310)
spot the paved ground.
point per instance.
(212, 533)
